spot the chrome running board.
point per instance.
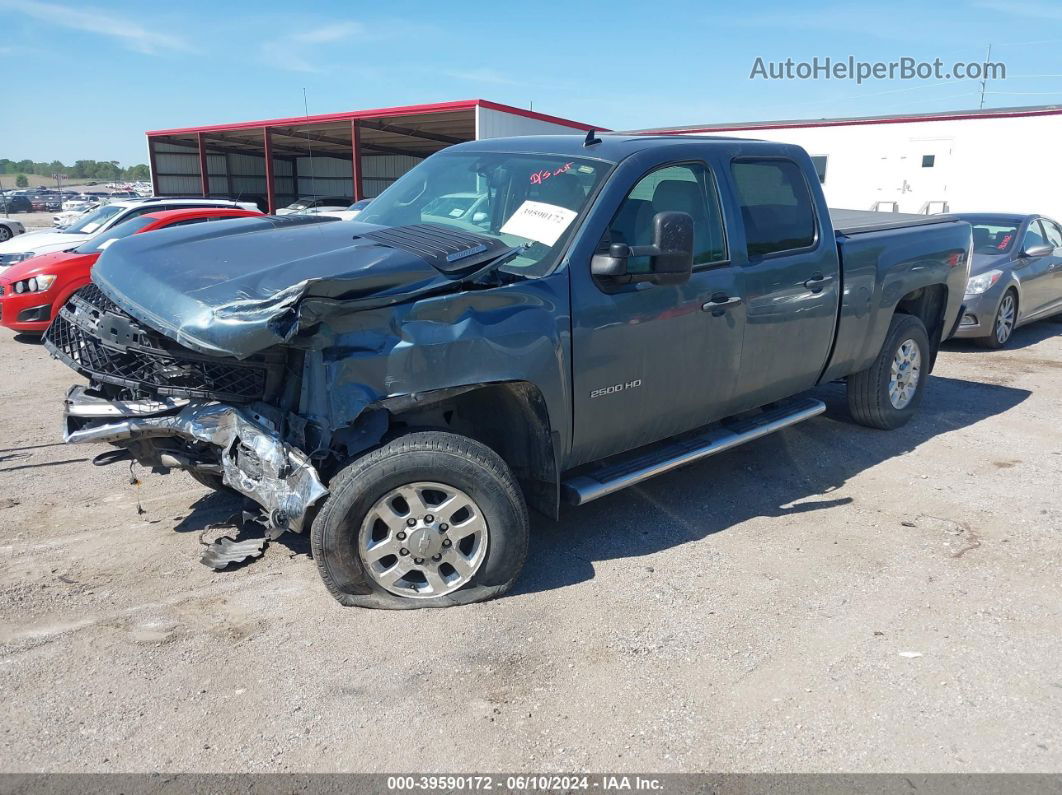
(627, 469)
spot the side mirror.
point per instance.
(1042, 250)
(670, 255)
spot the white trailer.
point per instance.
(998, 160)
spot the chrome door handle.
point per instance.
(817, 282)
(720, 301)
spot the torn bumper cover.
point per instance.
(254, 460)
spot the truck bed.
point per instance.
(854, 222)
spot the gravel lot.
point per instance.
(830, 598)
(33, 221)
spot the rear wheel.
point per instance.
(430, 519)
(1004, 321)
(887, 393)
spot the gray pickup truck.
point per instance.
(513, 322)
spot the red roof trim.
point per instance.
(376, 113)
(853, 122)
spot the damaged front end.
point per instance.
(169, 408)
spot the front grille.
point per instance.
(126, 354)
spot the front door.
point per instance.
(791, 281)
(1050, 289)
(1035, 273)
(649, 360)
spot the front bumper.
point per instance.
(254, 460)
(978, 314)
(24, 311)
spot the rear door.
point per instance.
(790, 274)
(1035, 274)
(650, 360)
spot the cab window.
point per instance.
(688, 188)
(776, 206)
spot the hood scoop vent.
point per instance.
(448, 250)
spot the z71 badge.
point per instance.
(612, 390)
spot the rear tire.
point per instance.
(431, 519)
(888, 393)
(1004, 322)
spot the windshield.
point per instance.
(529, 201)
(994, 237)
(116, 232)
(90, 223)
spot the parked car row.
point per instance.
(33, 291)
(92, 223)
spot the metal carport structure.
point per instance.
(355, 154)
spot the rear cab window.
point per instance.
(777, 210)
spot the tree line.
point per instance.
(106, 170)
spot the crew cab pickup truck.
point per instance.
(404, 385)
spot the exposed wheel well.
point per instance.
(928, 304)
(510, 418)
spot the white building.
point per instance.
(1005, 159)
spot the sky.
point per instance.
(84, 81)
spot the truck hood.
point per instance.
(237, 287)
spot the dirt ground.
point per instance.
(33, 221)
(830, 598)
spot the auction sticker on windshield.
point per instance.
(539, 221)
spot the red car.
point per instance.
(32, 291)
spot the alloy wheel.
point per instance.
(423, 540)
(1005, 319)
(905, 374)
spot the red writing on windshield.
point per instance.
(541, 176)
(1004, 242)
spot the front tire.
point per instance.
(1004, 321)
(887, 393)
(431, 519)
(5, 234)
(212, 481)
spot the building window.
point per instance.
(928, 161)
(819, 161)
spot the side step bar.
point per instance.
(622, 471)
